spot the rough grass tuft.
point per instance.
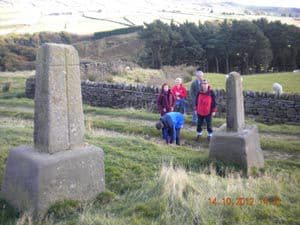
(64, 209)
(104, 198)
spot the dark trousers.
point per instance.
(207, 119)
(168, 137)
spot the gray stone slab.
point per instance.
(59, 121)
(237, 148)
(33, 180)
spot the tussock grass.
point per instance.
(188, 197)
(179, 196)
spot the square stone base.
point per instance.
(237, 148)
(33, 180)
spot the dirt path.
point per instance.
(10, 122)
(268, 154)
(18, 108)
(123, 119)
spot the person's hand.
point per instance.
(172, 108)
(213, 114)
(164, 110)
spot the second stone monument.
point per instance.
(236, 143)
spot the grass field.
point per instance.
(260, 82)
(149, 182)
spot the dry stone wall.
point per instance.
(263, 106)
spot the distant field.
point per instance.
(261, 82)
(87, 18)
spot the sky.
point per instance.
(275, 3)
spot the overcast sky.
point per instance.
(275, 3)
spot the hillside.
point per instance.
(86, 17)
(125, 47)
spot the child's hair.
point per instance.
(158, 125)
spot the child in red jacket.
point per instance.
(205, 108)
(179, 91)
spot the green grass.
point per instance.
(264, 82)
(17, 102)
(188, 136)
(278, 128)
(257, 82)
(149, 182)
(16, 89)
(283, 145)
(12, 137)
(145, 189)
(129, 113)
(135, 114)
(130, 160)
(260, 82)
(16, 114)
(275, 144)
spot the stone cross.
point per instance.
(236, 144)
(235, 115)
(59, 166)
(58, 114)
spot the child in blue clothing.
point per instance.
(171, 123)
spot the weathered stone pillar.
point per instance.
(235, 143)
(235, 113)
(60, 166)
(58, 117)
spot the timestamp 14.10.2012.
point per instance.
(245, 201)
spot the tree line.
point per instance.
(245, 46)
